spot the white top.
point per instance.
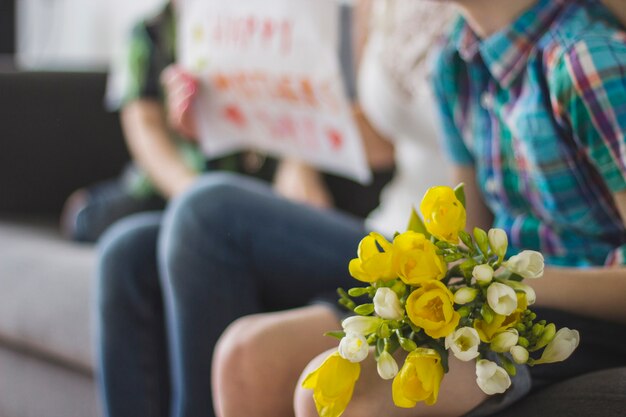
(396, 98)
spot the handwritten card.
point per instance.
(271, 80)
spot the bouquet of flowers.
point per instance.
(436, 290)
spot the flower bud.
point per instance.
(480, 236)
(527, 264)
(465, 295)
(519, 354)
(353, 347)
(464, 343)
(407, 344)
(361, 324)
(387, 366)
(491, 378)
(561, 347)
(547, 335)
(483, 274)
(501, 298)
(498, 242)
(504, 341)
(531, 296)
(387, 305)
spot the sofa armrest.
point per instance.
(55, 137)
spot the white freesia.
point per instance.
(501, 298)
(491, 378)
(498, 242)
(387, 366)
(504, 341)
(465, 295)
(464, 343)
(561, 347)
(531, 296)
(519, 354)
(364, 325)
(387, 305)
(353, 347)
(527, 264)
(483, 273)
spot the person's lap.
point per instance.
(228, 248)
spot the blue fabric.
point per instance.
(227, 248)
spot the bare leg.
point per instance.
(372, 395)
(259, 358)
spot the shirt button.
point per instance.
(491, 186)
(486, 101)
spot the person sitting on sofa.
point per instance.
(531, 97)
(230, 246)
(166, 162)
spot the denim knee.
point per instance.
(127, 261)
(209, 217)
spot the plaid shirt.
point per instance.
(539, 109)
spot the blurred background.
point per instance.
(67, 34)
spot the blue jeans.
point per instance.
(168, 286)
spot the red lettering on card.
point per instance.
(335, 138)
(235, 115)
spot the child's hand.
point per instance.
(180, 91)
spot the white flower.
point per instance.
(498, 242)
(491, 378)
(531, 296)
(464, 343)
(465, 295)
(387, 366)
(561, 347)
(504, 341)
(483, 274)
(519, 354)
(387, 305)
(353, 347)
(527, 264)
(361, 324)
(501, 298)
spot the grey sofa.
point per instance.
(54, 137)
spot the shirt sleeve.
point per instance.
(446, 95)
(588, 94)
(133, 74)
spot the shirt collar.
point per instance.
(506, 52)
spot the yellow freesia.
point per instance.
(444, 215)
(415, 259)
(487, 331)
(332, 384)
(374, 259)
(419, 379)
(431, 307)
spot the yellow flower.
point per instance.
(419, 379)
(332, 384)
(444, 215)
(431, 307)
(374, 259)
(487, 331)
(415, 259)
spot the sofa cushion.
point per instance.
(45, 286)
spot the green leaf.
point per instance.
(416, 224)
(338, 334)
(459, 191)
(506, 363)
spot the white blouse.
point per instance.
(395, 95)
